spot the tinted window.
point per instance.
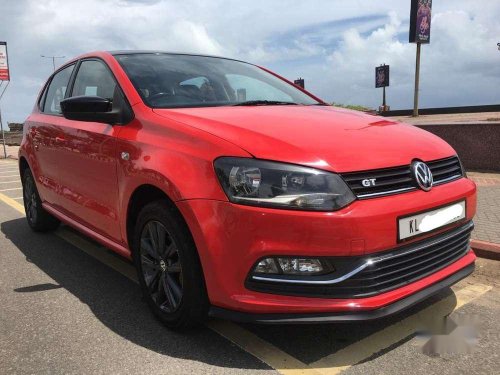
(57, 90)
(168, 80)
(94, 78)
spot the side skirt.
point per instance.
(116, 247)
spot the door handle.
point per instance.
(59, 139)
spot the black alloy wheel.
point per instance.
(161, 266)
(30, 200)
(168, 266)
(38, 219)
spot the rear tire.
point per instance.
(39, 220)
(168, 267)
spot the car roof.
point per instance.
(152, 52)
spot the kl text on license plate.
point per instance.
(414, 225)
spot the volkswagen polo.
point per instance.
(242, 196)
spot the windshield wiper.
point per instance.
(264, 102)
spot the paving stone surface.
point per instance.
(487, 218)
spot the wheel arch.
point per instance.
(23, 165)
(141, 196)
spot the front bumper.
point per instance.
(231, 238)
(372, 274)
(350, 316)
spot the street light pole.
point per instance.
(53, 59)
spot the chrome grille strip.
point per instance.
(397, 180)
(372, 261)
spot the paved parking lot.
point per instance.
(70, 306)
(487, 219)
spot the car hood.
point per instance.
(317, 136)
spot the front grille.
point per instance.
(382, 272)
(399, 179)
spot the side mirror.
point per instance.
(90, 108)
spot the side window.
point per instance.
(56, 91)
(94, 78)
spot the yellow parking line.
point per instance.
(19, 188)
(11, 202)
(268, 353)
(349, 356)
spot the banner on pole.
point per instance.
(300, 82)
(382, 76)
(4, 62)
(420, 21)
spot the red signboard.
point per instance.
(4, 62)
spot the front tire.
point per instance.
(39, 220)
(168, 267)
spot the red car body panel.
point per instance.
(328, 138)
(82, 180)
(220, 229)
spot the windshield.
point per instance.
(174, 81)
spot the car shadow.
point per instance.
(310, 343)
(116, 302)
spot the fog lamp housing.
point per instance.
(290, 266)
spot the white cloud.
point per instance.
(461, 65)
(334, 45)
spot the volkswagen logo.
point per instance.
(423, 175)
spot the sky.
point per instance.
(333, 44)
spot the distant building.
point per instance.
(15, 126)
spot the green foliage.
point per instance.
(353, 107)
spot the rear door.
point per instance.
(87, 157)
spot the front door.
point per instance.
(88, 158)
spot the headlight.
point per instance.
(271, 184)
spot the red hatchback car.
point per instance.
(239, 195)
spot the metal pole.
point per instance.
(3, 136)
(383, 100)
(1, 122)
(417, 78)
(53, 60)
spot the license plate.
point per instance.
(417, 224)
